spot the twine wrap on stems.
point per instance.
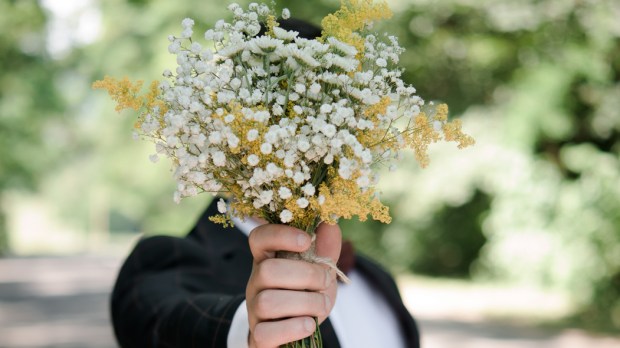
(310, 256)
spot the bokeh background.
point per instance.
(523, 228)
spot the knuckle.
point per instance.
(262, 303)
(318, 303)
(259, 335)
(252, 238)
(317, 275)
(264, 272)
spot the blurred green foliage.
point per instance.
(537, 200)
(30, 108)
(538, 84)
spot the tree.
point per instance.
(30, 107)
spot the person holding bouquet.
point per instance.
(290, 123)
(218, 288)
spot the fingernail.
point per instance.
(302, 239)
(309, 324)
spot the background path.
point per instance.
(63, 302)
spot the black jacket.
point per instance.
(183, 292)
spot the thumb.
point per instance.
(328, 241)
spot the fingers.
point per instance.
(265, 240)
(283, 295)
(275, 334)
(271, 305)
(291, 274)
(328, 241)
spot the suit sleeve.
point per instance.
(167, 295)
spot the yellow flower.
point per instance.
(352, 17)
(126, 94)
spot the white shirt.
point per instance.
(373, 324)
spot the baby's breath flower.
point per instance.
(286, 14)
(252, 134)
(284, 34)
(266, 148)
(286, 216)
(253, 160)
(308, 189)
(302, 202)
(284, 192)
(219, 159)
(221, 206)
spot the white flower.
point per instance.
(215, 138)
(253, 160)
(154, 158)
(233, 140)
(344, 172)
(302, 202)
(329, 159)
(266, 148)
(303, 145)
(308, 189)
(187, 23)
(174, 47)
(315, 88)
(266, 196)
(219, 159)
(286, 14)
(326, 109)
(300, 88)
(381, 62)
(366, 156)
(286, 216)
(289, 160)
(342, 47)
(252, 134)
(284, 34)
(264, 44)
(176, 197)
(261, 116)
(284, 192)
(298, 177)
(363, 181)
(277, 110)
(329, 130)
(221, 206)
(273, 169)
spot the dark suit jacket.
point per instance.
(183, 292)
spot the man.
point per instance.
(187, 292)
(224, 288)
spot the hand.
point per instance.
(284, 296)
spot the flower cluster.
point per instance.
(291, 127)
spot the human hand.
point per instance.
(284, 296)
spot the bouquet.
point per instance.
(291, 129)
